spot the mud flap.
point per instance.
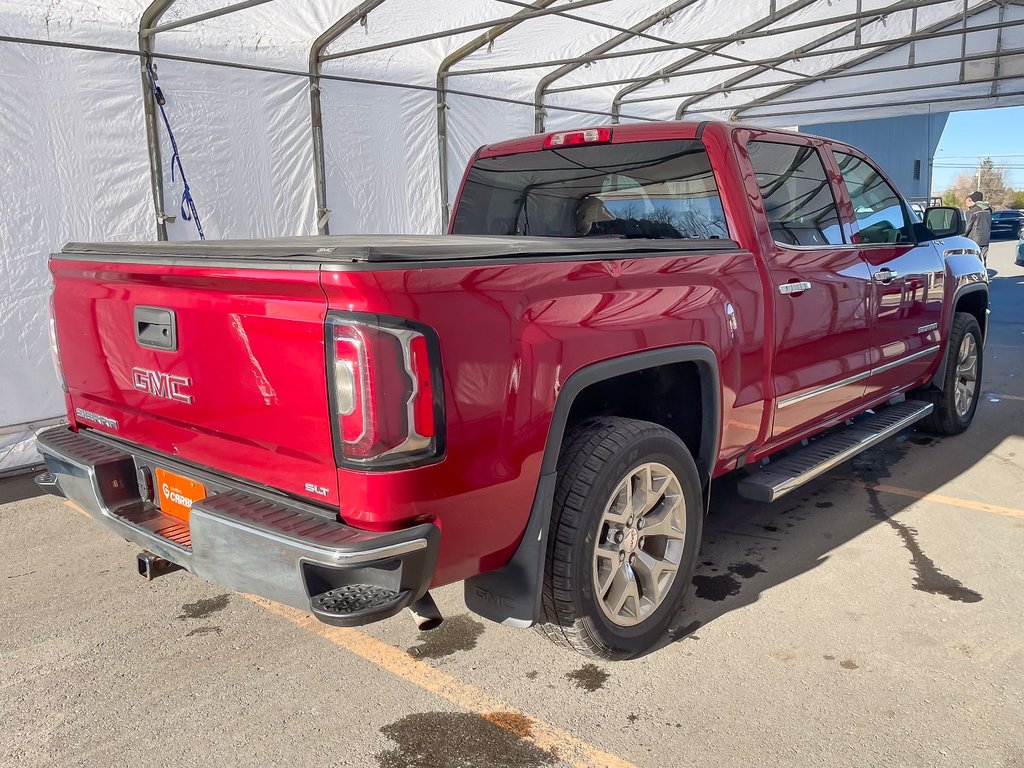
(511, 594)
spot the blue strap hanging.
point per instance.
(188, 205)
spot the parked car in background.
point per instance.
(1020, 254)
(1007, 223)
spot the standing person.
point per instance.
(979, 222)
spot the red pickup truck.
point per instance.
(535, 404)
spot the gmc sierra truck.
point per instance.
(535, 403)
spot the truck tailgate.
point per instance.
(222, 366)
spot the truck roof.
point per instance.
(659, 130)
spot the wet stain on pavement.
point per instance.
(203, 608)
(928, 577)
(589, 677)
(716, 588)
(633, 717)
(204, 631)
(823, 504)
(460, 740)
(746, 570)
(771, 528)
(872, 466)
(459, 633)
(532, 674)
(849, 664)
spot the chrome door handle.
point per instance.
(886, 275)
(787, 289)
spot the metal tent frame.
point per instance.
(700, 52)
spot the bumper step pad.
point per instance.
(780, 477)
(245, 538)
(353, 600)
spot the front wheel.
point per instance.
(624, 537)
(957, 402)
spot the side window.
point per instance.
(880, 214)
(797, 197)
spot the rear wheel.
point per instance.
(624, 537)
(957, 402)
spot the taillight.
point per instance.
(54, 348)
(572, 138)
(385, 391)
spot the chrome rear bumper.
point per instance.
(243, 540)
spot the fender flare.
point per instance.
(511, 595)
(939, 378)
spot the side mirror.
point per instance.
(945, 221)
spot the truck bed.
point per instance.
(380, 249)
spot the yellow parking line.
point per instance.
(467, 696)
(78, 509)
(979, 506)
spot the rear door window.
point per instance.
(879, 210)
(654, 189)
(798, 201)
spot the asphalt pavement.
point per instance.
(873, 618)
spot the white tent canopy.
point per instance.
(298, 115)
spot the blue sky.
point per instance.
(969, 136)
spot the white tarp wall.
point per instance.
(74, 162)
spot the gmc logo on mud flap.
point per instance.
(162, 384)
(493, 597)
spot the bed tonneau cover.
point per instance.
(348, 249)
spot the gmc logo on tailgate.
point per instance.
(162, 384)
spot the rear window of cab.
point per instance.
(651, 189)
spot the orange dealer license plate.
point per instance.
(177, 494)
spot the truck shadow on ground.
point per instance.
(748, 548)
(20, 486)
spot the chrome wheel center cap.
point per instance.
(631, 540)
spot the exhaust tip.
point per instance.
(425, 613)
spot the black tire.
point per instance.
(944, 419)
(596, 456)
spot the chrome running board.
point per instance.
(780, 477)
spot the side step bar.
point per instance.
(780, 477)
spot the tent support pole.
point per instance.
(147, 42)
(569, 6)
(443, 73)
(356, 16)
(809, 78)
(695, 45)
(999, 52)
(941, 102)
(149, 31)
(848, 66)
(755, 28)
(856, 28)
(833, 75)
(614, 42)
